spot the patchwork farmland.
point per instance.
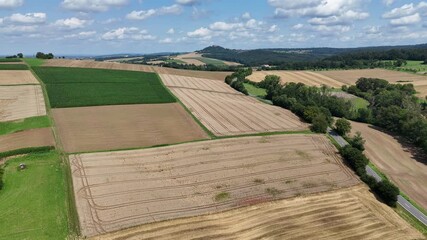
(124, 126)
(243, 115)
(116, 190)
(41, 137)
(18, 102)
(351, 213)
(17, 77)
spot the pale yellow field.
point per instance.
(17, 77)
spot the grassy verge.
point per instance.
(255, 91)
(382, 175)
(421, 209)
(33, 200)
(10, 60)
(25, 124)
(13, 67)
(34, 62)
(411, 220)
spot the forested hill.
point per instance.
(279, 56)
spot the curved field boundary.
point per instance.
(27, 139)
(116, 190)
(230, 114)
(17, 77)
(19, 102)
(351, 213)
(307, 77)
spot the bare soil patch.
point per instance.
(400, 162)
(116, 190)
(18, 102)
(30, 138)
(17, 77)
(306, 77)
(351, 213)
(124, 126)
(227, 114)
(220, 76)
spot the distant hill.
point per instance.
(278, 56)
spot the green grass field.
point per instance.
(34, 62)
(10, 60)
(33, 201)
(211, 61)
(359, 103)
(415, 65)
(177, 61)
(24, 124)
(13, 67)
(76, 87)
(255, 91)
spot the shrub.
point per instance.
(342, 126)
(319, 124)
(1, 177)
(387, 191)
(357, 141)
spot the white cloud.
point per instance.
(407, 20)
(166, 40)
(298, 26)
(188, 2)
(92, 5)
(388, 2)
(406, 10)
(28, 18)
(81, 35)
(11, 3)
(124, 33)
(200, 33)
(223, 26)
(343, 19)
(171, 31)
(273, 28)
(72, 23)
(144, 14)
(246, 15)
(17, 30)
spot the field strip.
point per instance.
(196, 83)
(17, 77)
(25, 139)
(226, 114)
(351, 213)
(19, 102)
(116, 190)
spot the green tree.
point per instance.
(387, 191)
(319, 124)
(342, 126)
(357, 141)
(20, 55)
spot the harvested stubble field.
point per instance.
(17, 77)
(116, 190)
(306, 77)
(402, 163)
(75, 87)
(25, 139)
(351, 213)
(97, 64)
(195, 83)
(18, 102)
(349, 77)
(124, 126)
(227, 114)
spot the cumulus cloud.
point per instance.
(298, 26)
(18, 30)
(11, 3)
(343, 19)
(92, 5)
(171, 31)
(200, 33)
(72, 23)
(81, 35)
(144, 14)
(132, 33)
(405, 10)
(188, 2)
(388, 2)
(407, 20)
(166, 40)
(28, 18)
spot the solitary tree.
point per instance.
(342, 126)
(357, 141)
(20, 55)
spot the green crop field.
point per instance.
(10, 60)
(28, 123)
(211, 61)
(76, 87)
(33, 201)
(34, 62)
(13, 67)
(255, 91)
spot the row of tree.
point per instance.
(41, 55)
(19, 55)
(393, 107)
(238, 78)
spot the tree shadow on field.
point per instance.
(416, 152)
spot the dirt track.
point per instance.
(115, 190)
(351, 213)
(17, 77)
(31, 138)
(398, 162)
(306, 77)
(18, 102)
(124, 126)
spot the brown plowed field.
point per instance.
(17, 77)
(116, 190)
(96, 64)
(18, 102)
(124, 126)
(30, 138)
(406, 167)
(306, 77)
(234, 114)
(135, 67)
(196, 83)
(349, 77)
(351, 213)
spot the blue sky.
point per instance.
(147, 26)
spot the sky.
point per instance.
(149, 26)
